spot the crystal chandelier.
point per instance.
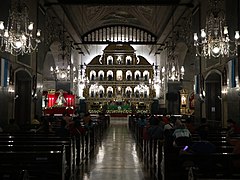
(172, 71)
(214, 40)
(63, 72)
(79, 74)
(17, 36)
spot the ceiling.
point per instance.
(155, 16)
(159, 17)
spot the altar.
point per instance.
(58, 103)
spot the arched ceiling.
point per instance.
(156, 16)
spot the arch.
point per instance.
(128, 91)
(137, 75)
(109, 60)
(213, 102)
(119, 33)
(128, 60)
(110, 75)
(101, 75)
(93, 75)
(23, 90)
(101, 91)
(146, 75)
(128, 75)
(109, 91)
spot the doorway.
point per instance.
(213, 99)
(23, 100)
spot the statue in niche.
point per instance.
(119, 60)
(137, 77)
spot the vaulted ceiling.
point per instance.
(155, 16)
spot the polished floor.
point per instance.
(117, 157)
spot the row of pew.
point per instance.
(39, 156)
(169, 163)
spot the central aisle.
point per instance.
(117, 156)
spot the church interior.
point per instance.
(118, 62)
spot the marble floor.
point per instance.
(116, 158)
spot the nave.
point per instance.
(116, 157)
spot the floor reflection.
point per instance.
(117, 157)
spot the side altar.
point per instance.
(58, 102)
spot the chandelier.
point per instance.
(173, 71)
(79, 77)
(17, 36)
(63, 72)
(215, 40)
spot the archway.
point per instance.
(212, 101)
(23, 97)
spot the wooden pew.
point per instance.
(215, 165)
(40, 164)
(43, 143)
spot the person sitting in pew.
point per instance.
(203, 146)
(233, 128)
(203, 128)
(66, 125)
(236, 150)
(181, 134)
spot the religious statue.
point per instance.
(60, 100)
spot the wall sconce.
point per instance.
(224, 91)
(202, 95)
(11, 89)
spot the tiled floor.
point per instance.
(117, 157)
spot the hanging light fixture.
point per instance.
(79, 74)
(17, 37)
(214, 40)
(173, 71)
(63, 72)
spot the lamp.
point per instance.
(214, 40)
(18, 35)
